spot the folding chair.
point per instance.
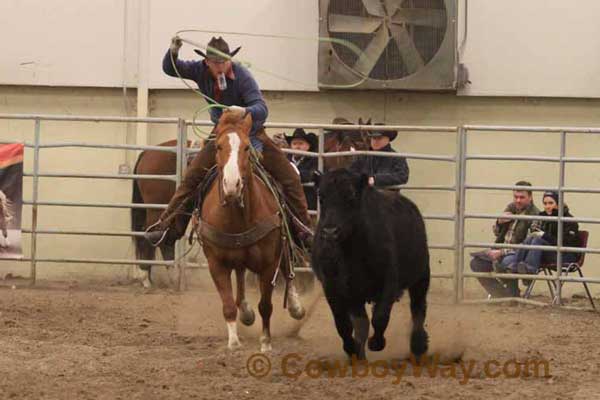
(566, 269)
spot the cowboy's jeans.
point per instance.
(534, 258)
(178, 212)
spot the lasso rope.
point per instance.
(295, 257)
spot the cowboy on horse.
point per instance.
(232, 85)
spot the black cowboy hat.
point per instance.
(220, 45)
(299, 133)
(375, 133)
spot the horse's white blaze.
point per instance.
(231, 173)
(234, 341)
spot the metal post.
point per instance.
(459, 232)
(561, 203)
(181, 159)
(34, 200)
(320, 165)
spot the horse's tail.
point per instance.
(138, 215)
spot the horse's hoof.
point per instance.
(265, 347)
(234, 345)
(297, 313)
(376, 343)
(247, 317)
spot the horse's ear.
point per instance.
(368, 122)
(247, 122)
(360, 121)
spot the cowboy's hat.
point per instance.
(310, 138)
(221, 46)
(375, 133)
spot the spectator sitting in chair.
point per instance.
(545, 233)
(508, 231)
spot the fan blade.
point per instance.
(410, 55)
(371, 54)
(350, 23)
(392, 5)
(420, 16)
(374, 7)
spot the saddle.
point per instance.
(291, 253)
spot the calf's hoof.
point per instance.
(376, 343)
(419, 343)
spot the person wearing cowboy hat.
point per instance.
(382, 171)
(300, 140)
(231, 84)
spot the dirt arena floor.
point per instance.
(64, 340)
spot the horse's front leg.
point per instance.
(221, 276)
(265, 307)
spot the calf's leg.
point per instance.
(360, 324)
(343, 324)
(419, 339)
(381, 312)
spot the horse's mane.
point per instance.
(5, 206)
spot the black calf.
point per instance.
(370, 246)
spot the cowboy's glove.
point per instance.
(538, 234)
(176, 44)
(241, 111)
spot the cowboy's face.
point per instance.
(379, 142)
(300, 144)
(217, 67)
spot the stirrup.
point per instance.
(148, 233)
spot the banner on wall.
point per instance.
(11, 200)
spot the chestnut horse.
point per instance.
(148, 191)
(240, 228)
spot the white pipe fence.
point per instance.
(459, 188)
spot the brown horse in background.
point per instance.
(344, 140)
(152, 191)
(241, 228)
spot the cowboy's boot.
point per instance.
(277, 164)
(174, 220)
